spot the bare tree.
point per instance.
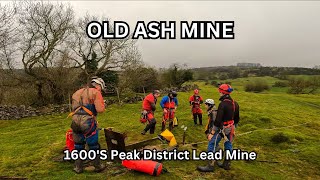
(44, 27)
(52, 46)
(109, 54)
(35, 33)
(8, 36)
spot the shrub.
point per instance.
(298, 85)
(257, 85)
(280, 138)
(265, 119)
(280, 84)
(214, 83)
(223, 76)
(206, 82)
(228, 82)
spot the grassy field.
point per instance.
(28, 146)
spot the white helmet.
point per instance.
(209, 101)
(100, 82)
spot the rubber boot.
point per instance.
(163, 126)
(97, 164)
(146, 129)
(225, 165)
(170, 125)
(78, 166)
(208, 168)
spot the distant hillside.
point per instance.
(231, 72)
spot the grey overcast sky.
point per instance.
(271, 33)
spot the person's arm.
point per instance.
(201, 100)
(99, 102)
(151, 101)
(219, 119)
(153, 106)
(210, 123)
(176, 102)
(191, 100)
(236, 115)
(163, 100)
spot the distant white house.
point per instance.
(248, 64)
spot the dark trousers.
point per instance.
(151, 126)
(195, 116)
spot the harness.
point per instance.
(196, 101)
(169, 111)
(170, 104)
(82, 107)
(144, 117)
(86, 112)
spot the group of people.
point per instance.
(87, 102)
(169, 105)
(221, 121)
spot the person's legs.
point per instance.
(79, 144)
(200, 118)
(195, 118)
(171, 117)
(228, 144)
(92, 136)
(199, 113)
(227, 147)
(151, 124)
(212, 147)
(214, 142)
(164, 120)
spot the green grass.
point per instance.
(28, 146)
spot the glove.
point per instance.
(209, 136)
(144, 112)
(165, 111)
(105, 103)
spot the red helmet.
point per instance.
(196, 91)
(225, 89)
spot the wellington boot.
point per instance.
(170, 126)
(97, 165)
(208, 168)
(225, 165)
(143, 132)
(78, 166)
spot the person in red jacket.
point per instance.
(149, 106)
(195, 101)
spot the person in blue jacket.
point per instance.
(169, 105)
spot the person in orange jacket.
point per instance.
(149, 106)
(195, 101)
(87, 102)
